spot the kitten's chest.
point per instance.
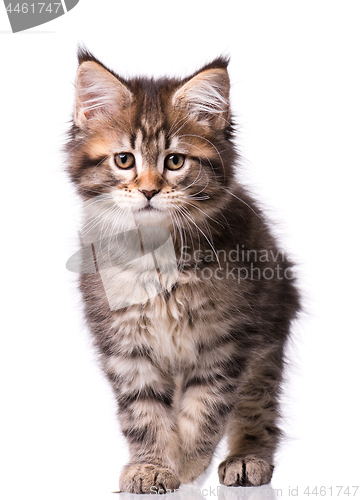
(171, 327)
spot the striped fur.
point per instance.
(205, 358)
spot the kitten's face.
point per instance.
(159, 148)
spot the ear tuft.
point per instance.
(206, 95)
(98, 92)
(84, 54)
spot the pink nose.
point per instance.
(150, 194)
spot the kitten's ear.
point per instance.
(98, 93)
(206, 96)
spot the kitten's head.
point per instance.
(161, 148)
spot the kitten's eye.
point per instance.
(124, 160)
(174, 161)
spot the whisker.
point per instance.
(188, 215)
(181, 126)
(242, 201)
(178, 216)
(187, 221)
(197, 180)
(198, 198)
(194, 182)
(176, 122)
(93, 222)
(181, 236)
(207, 215)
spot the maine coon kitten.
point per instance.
(202, 356)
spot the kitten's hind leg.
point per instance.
(252, 429)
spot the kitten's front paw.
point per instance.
(246, 471)
(148, 478)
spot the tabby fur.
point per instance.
(204, 358)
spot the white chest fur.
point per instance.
(165, 325)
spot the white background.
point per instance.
(296, 95)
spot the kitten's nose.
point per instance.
(149, 194)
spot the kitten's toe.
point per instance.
(245, 471)
(148, 478)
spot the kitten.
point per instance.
(191, 338)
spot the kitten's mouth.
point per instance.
(148, 208)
